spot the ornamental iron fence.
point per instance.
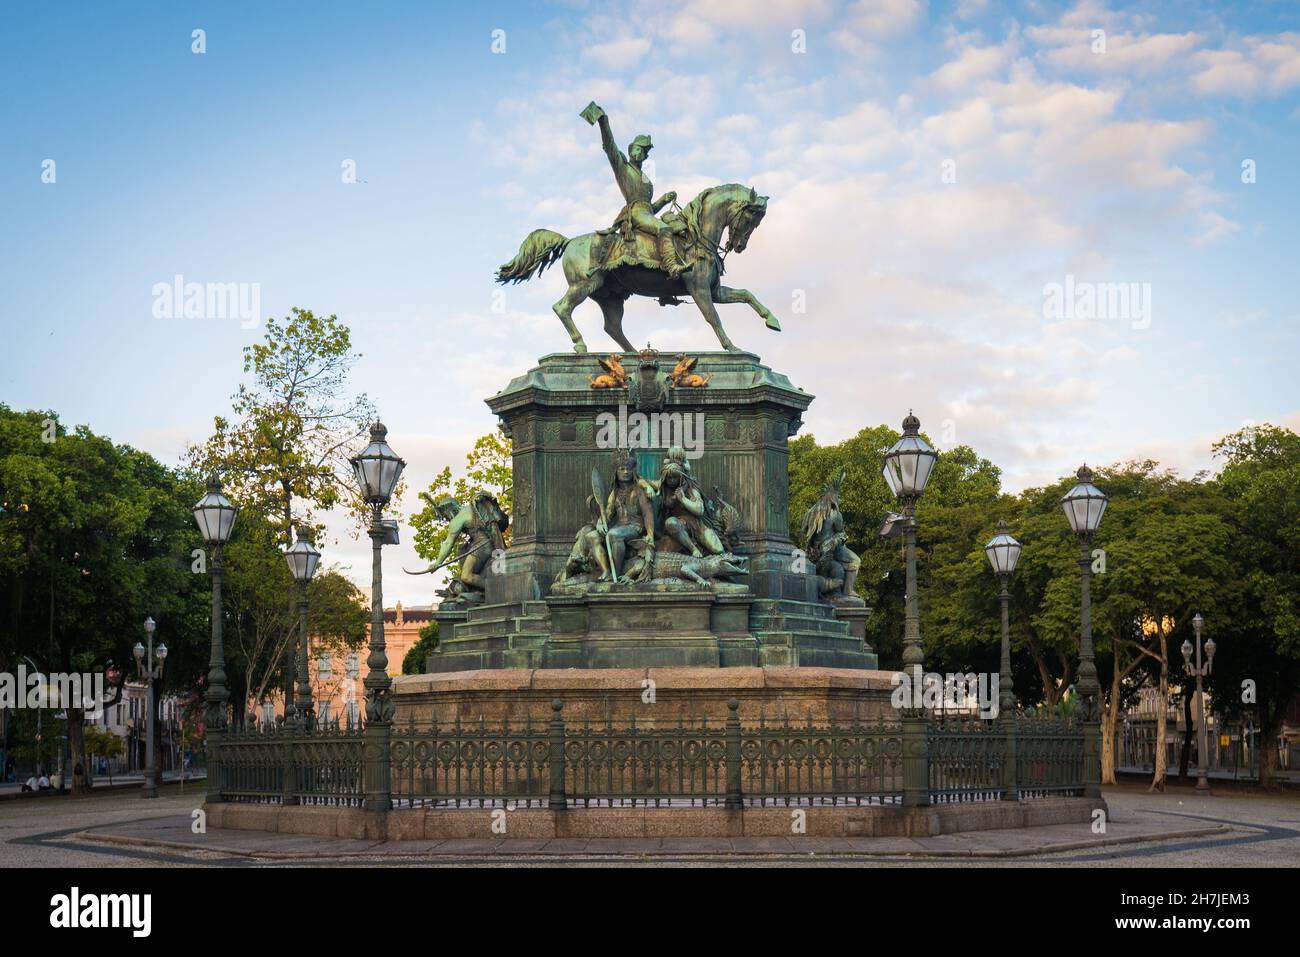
(683, 763)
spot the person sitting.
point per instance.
(43, 784)
(29, 784)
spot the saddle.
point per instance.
(624, 245)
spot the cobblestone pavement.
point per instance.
(1175, 829)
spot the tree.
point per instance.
(93, 537)
(1257, 625)
(102, 743)
(285, 452)
(959, 502)
(261, 605)
(413, 663)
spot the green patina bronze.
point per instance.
(677, 256)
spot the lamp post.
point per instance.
(377, 469)
(215, 516)
(303, 558)
(149, 667)
(1084, 505)
(1200, 670)
(908, 465)
(1003, 552)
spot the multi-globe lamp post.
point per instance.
(215, 516)
(1084, 505)
(302, 558)
(908, 465)
(1003, 552)
(149, 668)
(377, 469)
(1204, 662)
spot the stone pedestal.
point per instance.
(735, 431)
(650, 695)
(740, 424)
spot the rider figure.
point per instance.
(637, 190)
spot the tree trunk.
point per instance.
(1109, 720)
(1162, 710)
(77, 750)
(1185, 757)
(1270, 728)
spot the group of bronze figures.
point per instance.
(645, 532)
(647, 529)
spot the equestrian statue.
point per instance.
(643, 254)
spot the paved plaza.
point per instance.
(1175, 829)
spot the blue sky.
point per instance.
(922, 290)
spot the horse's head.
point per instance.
(732, 208)
(748, 213)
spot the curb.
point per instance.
(98, 789)
(666, 854)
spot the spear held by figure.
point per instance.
(598, 493)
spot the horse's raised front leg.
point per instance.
(725, 294)
(612, 307)
(564, 309)
(701, 292)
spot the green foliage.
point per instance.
(413, 663)
(294, 426)
(261, 604)
(958, 509)
(284, 456)
(1258, 629)
(1167, 546)
(93, 538)
(102, 743)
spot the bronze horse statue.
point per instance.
(593, 273)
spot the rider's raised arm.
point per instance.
(616, 157)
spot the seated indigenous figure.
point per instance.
(682, 508)
(824, 543)
(620, 539)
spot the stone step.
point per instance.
(785, 606)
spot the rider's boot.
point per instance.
(668, 255)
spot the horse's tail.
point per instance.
(540, 249)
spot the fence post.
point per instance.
(212, 740)
(556, 756)
(916, 758)
(735, 798)
(376, 739)
(1010, 761)
(288, 780)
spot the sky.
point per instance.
(949, 184)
